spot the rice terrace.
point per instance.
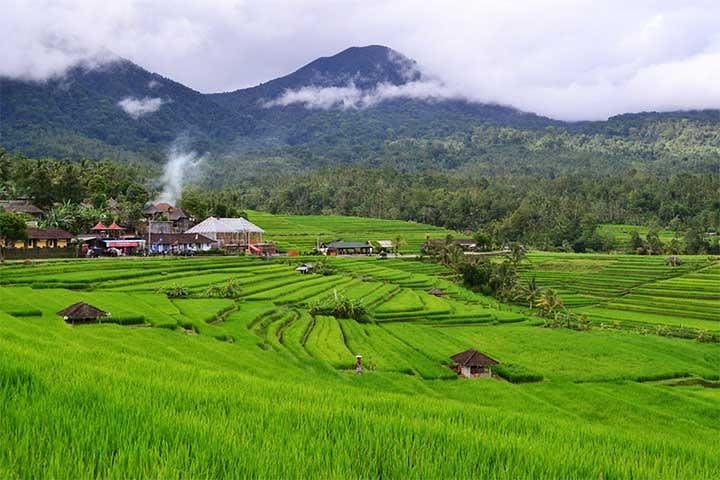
(245, 240)
(263, 383)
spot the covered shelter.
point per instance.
(82, 312)
(348, 248)
(231, 233)
(472, 363)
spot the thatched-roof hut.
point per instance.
(82, 312)
(472, 363)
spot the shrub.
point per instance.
(662, 376)
(125, 320)
(26, 313)
(340, 306)
(517, 374)
(174, 291)
(230, 290)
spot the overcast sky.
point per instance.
(569, 59)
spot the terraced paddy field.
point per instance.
(634, 289)
(257, 386)
(301, 232)
(623, 233)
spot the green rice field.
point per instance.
(634, 289)
(257, 386)
(302, 232)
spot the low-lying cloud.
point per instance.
(138, 107)
(352, 97)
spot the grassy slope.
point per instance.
(117, 401)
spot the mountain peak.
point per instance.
(365, 67)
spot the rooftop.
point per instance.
(473, 358)
(48, 234)
(82, 311)
(213, 225)
(20, 206)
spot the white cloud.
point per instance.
(138, 107)
(571, 59)
(352, 97)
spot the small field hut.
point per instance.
(82, 312)
(472, 363)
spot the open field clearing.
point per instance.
(258, 386)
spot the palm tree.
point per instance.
(397, 243)
(529, 292)
(549, 303)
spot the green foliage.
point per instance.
(231, 289)
(340, 306)
(12, 226)
(174, 291)
(516, 373)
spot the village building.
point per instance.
(180, 243)
(234, 234)
(23, 206)
(82, 312)
(110, 240)
(44, 238)
(472, 364)
(112, 231)
(165, 218)
(346, 248)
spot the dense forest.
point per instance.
(558, 211)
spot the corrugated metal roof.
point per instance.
(225, 225)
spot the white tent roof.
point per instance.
(225, 225)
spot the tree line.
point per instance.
(555, 212)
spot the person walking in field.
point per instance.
(358, 364)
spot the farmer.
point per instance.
(358, 364)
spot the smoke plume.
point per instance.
(182, 167)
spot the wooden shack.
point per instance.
(82, 312)
(473, 364)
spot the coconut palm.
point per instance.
(549, 303)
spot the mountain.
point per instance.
(113, 109)
(363, 67)
(357, 105)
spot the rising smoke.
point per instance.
(183, 166)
